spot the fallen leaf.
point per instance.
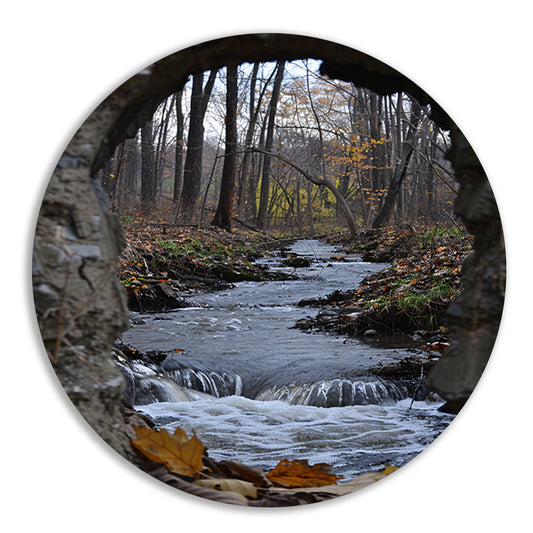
(234, 469)
(244, 488)
(340, 489)
(389, 470)
(178, 453)
(300, 474)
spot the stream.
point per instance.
(256, 390)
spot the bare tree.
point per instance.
(178, 154)
(321, 182)
(148, 183)
(400, 169)
(262, 215)
(192, 172)
(224, 211)
(247, 185)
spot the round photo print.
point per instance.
(268, 270)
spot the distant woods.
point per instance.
(276, 147)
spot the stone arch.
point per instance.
(80, 305)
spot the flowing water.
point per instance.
(257, 390)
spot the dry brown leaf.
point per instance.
(340, 489)
(300, 474)
(244, 488)
(178, 453)
(234, 469)
(389, 470)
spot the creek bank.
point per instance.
(162, 264)
(408, 298)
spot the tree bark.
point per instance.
(223, 214)
(192, 172)
(148, 185)
(178, 154)
(262, 215)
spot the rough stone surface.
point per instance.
(474, 317)
(80, 305)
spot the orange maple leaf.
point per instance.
(300, 474)
(178, 453)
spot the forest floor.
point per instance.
(160, 265)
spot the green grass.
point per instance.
(415, 300)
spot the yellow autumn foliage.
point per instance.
(177, 452)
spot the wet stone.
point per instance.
(297, 262)
(334, 395)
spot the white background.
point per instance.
(60, 59)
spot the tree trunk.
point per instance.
(148, 188)
(160, 153)
(224, 210)
(262, 215)
(178, 154)
(130, 169)
(400, 170)
(253, 112)
(192, 172)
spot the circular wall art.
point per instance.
(269, 270)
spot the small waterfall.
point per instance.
(171, 381)
(214, 383)
(147, 382)
(158, 389)
(338, 392)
